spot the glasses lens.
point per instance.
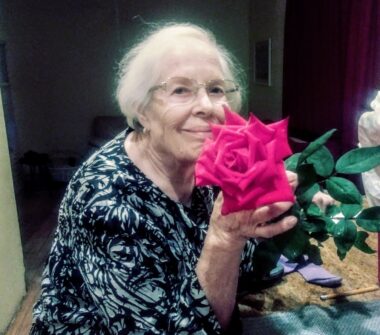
(216, 89)
(183, 90)
(180, 89)
(221, 89)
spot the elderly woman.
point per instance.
(139, 249)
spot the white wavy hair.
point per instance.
(140, 68)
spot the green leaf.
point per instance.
(341, 254)
(350, 210)
(323, 161)
(330, 225)
(292, 162)
(345, 230)
(306, 177)
(313, 225)
(296, 210)
(314, 146)
(358, 160)
(343, 190)
(361, 244)
(369, 219)
(293, 243)
(320, 236)
(332, 210)
(344, 237)
(313, 210)
(314, 166)
(305, 196)
(265, 257)
(314, 254)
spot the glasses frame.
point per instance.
(163, 86)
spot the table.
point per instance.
(357, 270)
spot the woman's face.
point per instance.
(177, 130)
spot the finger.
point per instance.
(328, 201)
(292, 179)
(266, 213)
(270, 230)
(219, 199)
(323, 200)
(291, 175)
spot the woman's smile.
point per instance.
(199, 132)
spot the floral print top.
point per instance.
(124, 255)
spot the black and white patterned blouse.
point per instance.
(124, 256)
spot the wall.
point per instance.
(267, 21)
(12, 284)
(60, 66)
(63, 56)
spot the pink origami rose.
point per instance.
(245, 159)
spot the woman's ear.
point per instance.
(143, 119)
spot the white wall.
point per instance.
(12, 284)
(267, 20)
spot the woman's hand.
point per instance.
(323, 200)
(292, 179)
(232, 231)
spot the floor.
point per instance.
(38, 214)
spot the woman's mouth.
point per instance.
(199, 132)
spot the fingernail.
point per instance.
(292, 221)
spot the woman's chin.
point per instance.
(192, 155)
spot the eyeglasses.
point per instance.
(181, 90)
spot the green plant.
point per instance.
(347, 222)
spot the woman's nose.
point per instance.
(203, 104)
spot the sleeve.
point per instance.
(127, 269)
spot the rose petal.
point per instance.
(283, 147)
(244, 158)
(233, 118)
(261, 130)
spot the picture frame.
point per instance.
(262, 62)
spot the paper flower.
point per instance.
(245, 159)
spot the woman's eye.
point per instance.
(216, 90)
(181, 90)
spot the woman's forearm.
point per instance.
(218, 273)
(218, 265)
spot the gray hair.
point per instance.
(139, 69)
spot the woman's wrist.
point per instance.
(221, 240)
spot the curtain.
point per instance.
(331, 66)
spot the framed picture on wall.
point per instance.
(262, 63)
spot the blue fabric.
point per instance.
(354, 318)
(312, 273)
